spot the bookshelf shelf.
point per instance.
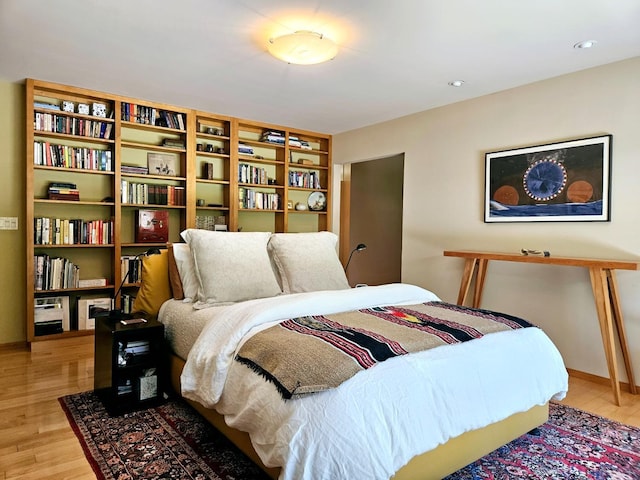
(150, 147)
(213, 208)
(151, 128)
(70, 202)
(146, 245)
(213, 181)
(263, 161)
(202, 153)
(201, 147)
(75, 138)
(72, 170)
(308, 190)
(297, 166)
(153, 177)
(44, 293)
(44, 246)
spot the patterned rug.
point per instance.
(173, 442)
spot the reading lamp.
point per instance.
(359, 248)
(116, 313)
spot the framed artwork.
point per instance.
(558, 182)
(162, 164)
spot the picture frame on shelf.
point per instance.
(566, 181)
(162, 164)
(51, 314)
(88, 308)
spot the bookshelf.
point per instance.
(311, 163)
(213, 165)
(123, 155)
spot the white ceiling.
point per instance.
(395, 57)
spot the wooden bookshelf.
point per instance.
(202, 147)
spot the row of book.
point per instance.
(211, 222)
(304, 179)
(151, 194)
(152, 116)
(137, 169)
(277, 137)
(133, 352)
(63, 191)
(251, 174)
(54, 273)
(58, 231)
(53, 155)
(254, 199)
(245, 149)
(133, 265)
(126, 302)
(272, 136)
(50, 122)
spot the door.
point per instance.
(372, 196)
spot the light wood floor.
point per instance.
(36, 442)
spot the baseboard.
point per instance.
(14, 346)
(597, 379)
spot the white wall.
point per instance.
(443, 204)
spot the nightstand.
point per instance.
(129, 364)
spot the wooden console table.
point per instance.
(605, 293)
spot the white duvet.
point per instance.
(374, 423)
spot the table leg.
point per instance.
(483, 263)
(622, 334)
(600, 287)
(467, 276)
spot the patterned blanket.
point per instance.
(310, 354)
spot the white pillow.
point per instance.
(307, 262)
(186, 270)
(231, 266)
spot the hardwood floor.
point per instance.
(37, 443)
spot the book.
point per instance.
(152, 226)
(93, 282)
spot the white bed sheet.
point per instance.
(378, 420)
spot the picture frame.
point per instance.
(163, 164)
(568, 181)
(88, 308)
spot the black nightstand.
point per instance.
(129, 364)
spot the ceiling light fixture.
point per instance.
(585, 44)
(456, 83)
(303, 48)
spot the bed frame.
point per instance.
(432, 465)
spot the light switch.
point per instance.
(8, 223)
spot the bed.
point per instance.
(416, 415)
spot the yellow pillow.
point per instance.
(155, 289)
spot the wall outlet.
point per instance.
(8, 223)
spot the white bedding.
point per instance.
(378, 420)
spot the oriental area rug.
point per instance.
(172, 441)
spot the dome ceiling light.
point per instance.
(303, 48)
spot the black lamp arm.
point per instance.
(359, 248)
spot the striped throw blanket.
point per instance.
(310, 354)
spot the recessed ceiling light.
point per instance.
(303, 48)
(456, 83)
(585, 44)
